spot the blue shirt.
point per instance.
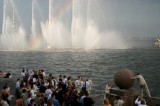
(55, 102)
(17, 84)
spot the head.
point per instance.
(5, 86)
(86, 93)
(87, 79)
(53, 95)
(118, 97)
(139, 97)
(42, 70)
(137, 73)
(143, 101)
(106, 101)
(109, 83)
(60, 80)
(50, 75)
(60, 76)
(78, 77)
(64, 76)
(69, 78)
(24, 91)
(32, 101)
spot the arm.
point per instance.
(134, 77)
(137, 101)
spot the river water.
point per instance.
(98, 65)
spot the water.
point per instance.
(99, 65)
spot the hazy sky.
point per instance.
(127, 17)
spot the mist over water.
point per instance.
(36, 29)
(13, 35)
(80, 31)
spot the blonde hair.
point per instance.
(106, 101)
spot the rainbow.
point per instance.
(65, 8)
(38, 41)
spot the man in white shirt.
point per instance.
(23, 74)
(87, 85)
(64, 79)
(78, 83)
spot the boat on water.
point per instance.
(157, 42)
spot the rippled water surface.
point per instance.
(99, 65)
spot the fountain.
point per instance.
(13, 35)
(54, 31)
(70, 24)
(35, 20)
(36, 33)
(79, 22)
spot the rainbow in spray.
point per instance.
(70, 24)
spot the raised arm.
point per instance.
(135, 77)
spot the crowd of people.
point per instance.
(35, 88)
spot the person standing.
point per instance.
(78, 84)
(70, 83)
(143, 84)
(108, 87)
(18, 83)
(86, 85)
(23, 74)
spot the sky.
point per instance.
(130, 18)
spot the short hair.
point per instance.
(143, 101)
(24, 90)
(64, 76)
(86, 93)
(118, 97)
(137, 73)
(78, 77)
(31, 101)
(87, 79)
